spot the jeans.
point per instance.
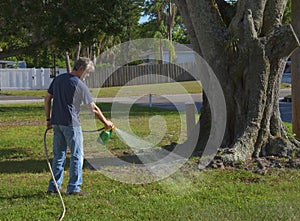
(67, 136)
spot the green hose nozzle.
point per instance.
(105, 136)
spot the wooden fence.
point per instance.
(142, 74)
(31, 78)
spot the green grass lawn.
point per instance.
(159, 89)
(188, 194)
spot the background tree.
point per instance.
(247, 46)
(287, 17)
(164, 22)
(164, 12)
(163, 17)
(20, 22)
(179, 33)
(40, 29)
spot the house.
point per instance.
(183, 54)
(7, 64)
(12, 64)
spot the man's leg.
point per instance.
(59, 158)
(75, 142)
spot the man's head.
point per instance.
(83, 67)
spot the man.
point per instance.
(68, 92)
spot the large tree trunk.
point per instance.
(246, 46)
(296, 70)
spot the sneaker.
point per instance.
(80, 193)
(54, 192)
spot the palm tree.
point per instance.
(165, 12)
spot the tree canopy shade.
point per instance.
(247, 45)
(28, 26)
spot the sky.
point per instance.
(143, 19)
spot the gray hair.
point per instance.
(84, 62)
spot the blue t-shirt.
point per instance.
(69, 92)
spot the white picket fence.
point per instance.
(38, 79)
(26, 78)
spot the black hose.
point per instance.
(92, 131)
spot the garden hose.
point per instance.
(92, 131)
(52, 175)
(51, 171)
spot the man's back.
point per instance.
(68, 93)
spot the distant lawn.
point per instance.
(188, 194)
(284, 85)
(190, 87)
(159, 89)
(34, 93)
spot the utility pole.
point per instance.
(295, 60)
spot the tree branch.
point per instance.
(273, 19)
(182, 6)
(209, 26)
(256, 9)
(249, 25)
(282, 42)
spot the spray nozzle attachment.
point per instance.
(112, 128)
(105, 135)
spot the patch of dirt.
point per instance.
(15, 123)
(260, 165)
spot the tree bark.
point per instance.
(296, 71)
(68, 65)
(247, 47)
(78, 49)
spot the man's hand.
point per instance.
(109, 125)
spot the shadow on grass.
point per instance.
(149, 157)
(39, 166)
(13, 153)
(37, 195)
(23, 166)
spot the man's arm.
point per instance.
(98, 113)
(48, 100)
